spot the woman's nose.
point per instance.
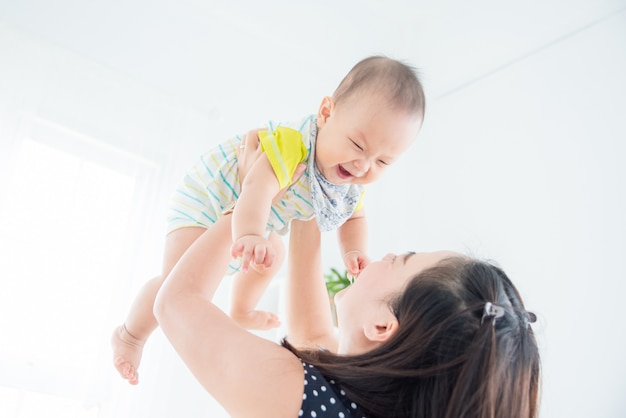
(389, 257)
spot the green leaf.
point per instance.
(336, 281)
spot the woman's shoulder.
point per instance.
(325, 397)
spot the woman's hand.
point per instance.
(248, 152)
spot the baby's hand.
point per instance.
(355, 261)
(253, 249)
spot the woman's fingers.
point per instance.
(248, 152)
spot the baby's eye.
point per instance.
(357, 145)
(383, 162)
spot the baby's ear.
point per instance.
(325, 110)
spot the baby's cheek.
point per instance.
(374, 175)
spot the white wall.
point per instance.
(526, 167)
(521, 165)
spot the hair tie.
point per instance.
(492, 311)
(530, 318)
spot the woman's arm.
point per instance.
(309, 321)
(246, 374)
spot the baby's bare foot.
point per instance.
(256, 320)
(126, 354)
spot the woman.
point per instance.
(420, 335)
(434, 334)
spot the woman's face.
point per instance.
(366, 300)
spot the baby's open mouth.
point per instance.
(343, 173)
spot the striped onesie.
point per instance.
(212, 185)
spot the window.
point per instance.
(64, 223)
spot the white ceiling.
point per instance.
(188, 48)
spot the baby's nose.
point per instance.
(362, 166)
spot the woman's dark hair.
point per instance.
(446, 360)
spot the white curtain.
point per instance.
(88, 158)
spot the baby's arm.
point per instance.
(251, 213)
(353, 243)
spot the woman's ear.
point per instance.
(381, 331)
(325, 110)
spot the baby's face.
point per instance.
(359, 138)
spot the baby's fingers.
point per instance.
(246, 259)
(264, 256)
(363, 262)
(269, 258)
(352, 265)
(236, 250)
(241, 251)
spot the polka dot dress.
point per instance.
(324, 398)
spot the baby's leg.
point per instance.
(248, 288)
(129, 338)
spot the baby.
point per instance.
(370, 120)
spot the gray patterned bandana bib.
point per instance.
(333, 203)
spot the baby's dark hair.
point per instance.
(395, 80)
